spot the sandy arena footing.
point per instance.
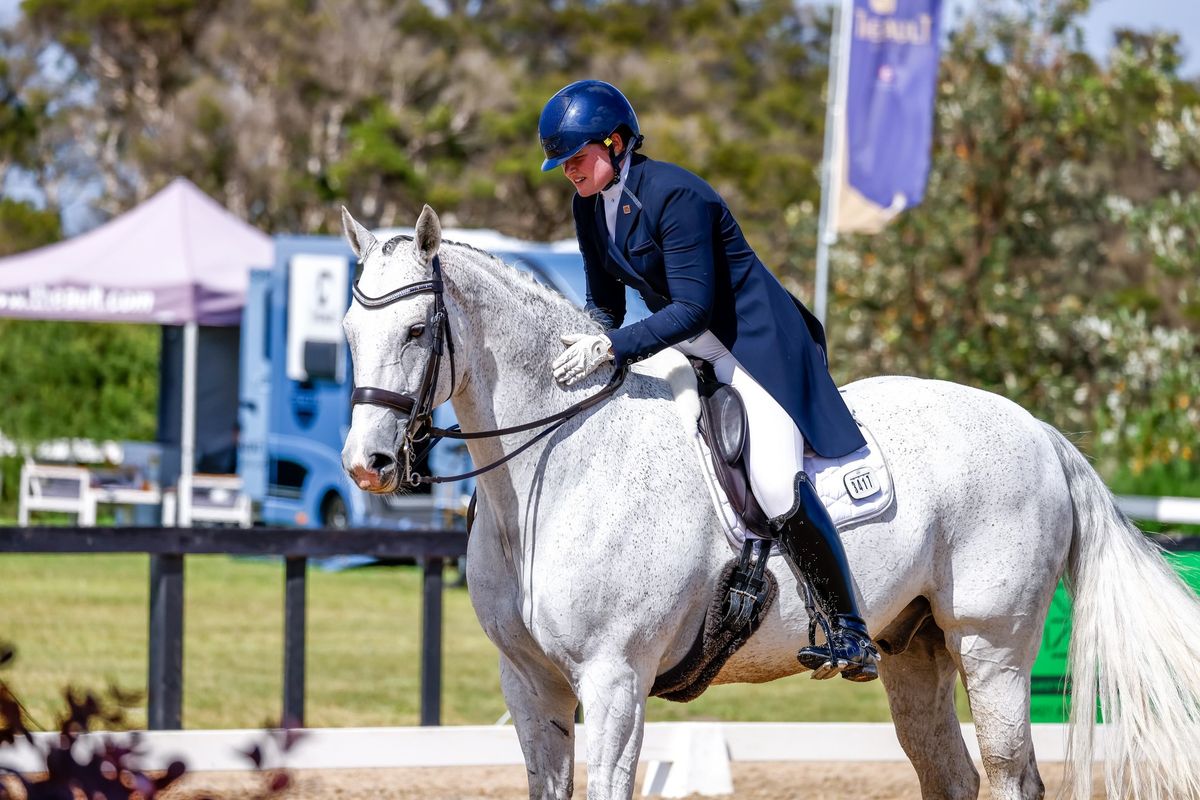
(752, 781)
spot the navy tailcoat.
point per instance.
(679, 246)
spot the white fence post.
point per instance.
(694, 760)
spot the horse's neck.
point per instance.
(509, 337)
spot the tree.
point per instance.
(1016, 273)
(285, 110)
(124, 62)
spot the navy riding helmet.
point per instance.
(582, 112)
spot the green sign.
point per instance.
(1049, 701)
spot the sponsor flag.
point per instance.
(888, 81)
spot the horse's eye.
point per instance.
(416, 331)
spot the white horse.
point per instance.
(594, 553)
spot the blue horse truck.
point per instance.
(296, 378)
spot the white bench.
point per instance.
(76, 490)
(55, 488)
(216, 499)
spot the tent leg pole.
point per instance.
(187, 439)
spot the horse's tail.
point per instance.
(1135, 647)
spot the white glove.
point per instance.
(584, 353)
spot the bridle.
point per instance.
(419, 428)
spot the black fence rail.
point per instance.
(167, 548)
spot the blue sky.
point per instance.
(1182, 16)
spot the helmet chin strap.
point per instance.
(615, 160)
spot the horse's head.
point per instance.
(394, 331)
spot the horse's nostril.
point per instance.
(381, 461)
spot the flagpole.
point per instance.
(831, 165)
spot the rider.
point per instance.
(668, 234)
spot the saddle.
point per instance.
(856, 488)
(724, 427)
(745, 589)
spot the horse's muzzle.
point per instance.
(380, 476)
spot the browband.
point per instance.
(421, 287)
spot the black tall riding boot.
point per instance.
(811, 543)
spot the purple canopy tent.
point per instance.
(177, 259)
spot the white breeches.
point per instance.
(774, 446)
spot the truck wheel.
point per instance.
(334, 513)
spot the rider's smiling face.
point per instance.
(590, 169)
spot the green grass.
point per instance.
(81, 621)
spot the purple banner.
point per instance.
(890, 91)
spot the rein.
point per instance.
(419, 408)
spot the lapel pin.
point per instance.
(625, 209)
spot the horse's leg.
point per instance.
(920, 686)
(996, 657)
(543, 711)
(614, 707)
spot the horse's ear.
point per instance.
(361, 240)
(429, 235)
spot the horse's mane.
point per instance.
(544, 304)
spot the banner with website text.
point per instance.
(888, 87)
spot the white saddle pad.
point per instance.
(855, 488)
